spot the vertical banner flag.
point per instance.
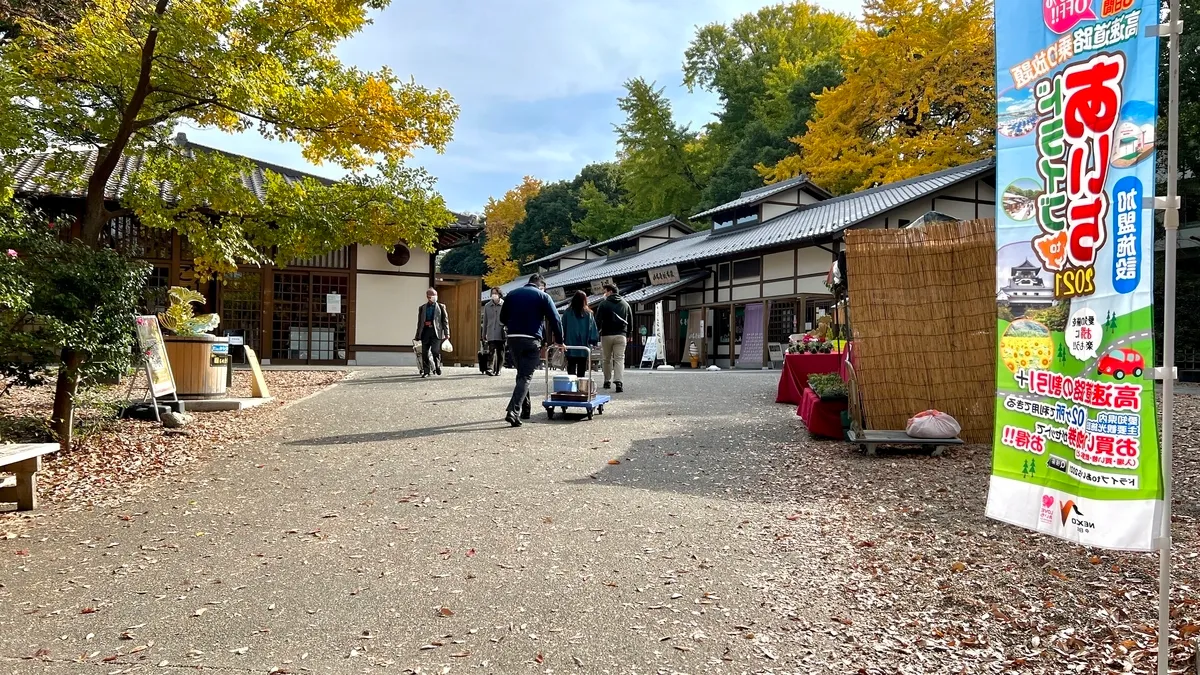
(1076, 444)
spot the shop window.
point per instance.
(721, 325)
(723, 272)
(154, 295)
(810, 311)
(747, 215)
(750, 267)
(781, 322)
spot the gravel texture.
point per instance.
(398, 525)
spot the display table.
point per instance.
(797, 368)
(822, 418)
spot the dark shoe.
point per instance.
(608, 385)
(525, 413)
(512, 419)
(620, 388)
(438, 371)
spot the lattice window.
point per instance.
(135, 240)
(289, 323)
(781, 323)
(241, 305)
(329, 327)
(154, 295)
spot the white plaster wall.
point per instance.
(770, 211)
(811, 285)
(812, 260)
(375, 258)
(693, 299)
(745, 292)
(806, 198)
(779, 265)
(773, 288)
(645, 242)
(386, 310)
(723, 295)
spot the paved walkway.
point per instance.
(398, 524)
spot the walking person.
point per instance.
(579, 328)
(433, 326)
(525, 312)
(615, 321)
(493, 331)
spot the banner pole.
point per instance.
(1171, 225)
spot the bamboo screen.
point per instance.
(923, 312)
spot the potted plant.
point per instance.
(199, 360)
(828, 386)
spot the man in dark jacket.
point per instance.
(526, 311)
(615, 321)
(493, 331)
(433, 326)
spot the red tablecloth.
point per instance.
(823, 418)
(797, 368)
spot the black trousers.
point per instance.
(496, 358)
(577, 366)
(431, 350)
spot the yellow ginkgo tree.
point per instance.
(123, 74)
(501, 216)
(918, 96)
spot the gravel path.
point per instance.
(397, 525)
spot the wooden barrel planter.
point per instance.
(199, 369)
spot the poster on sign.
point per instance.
(154, 353)
(1076, 446)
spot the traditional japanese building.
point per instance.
(355, 305)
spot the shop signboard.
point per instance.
(597, 285)
(1076, 445)
(154, 351)
(661, 276)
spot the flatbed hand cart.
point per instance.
(590, 402)
(870, 439)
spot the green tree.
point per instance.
(919, 96)
(466, 260)
(548, 221)
(752, 62)
(605, 203)
(70, 311)
(121, 75)
(664, 162)
(763, 145)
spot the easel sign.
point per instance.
(650, 352)
(154, 354)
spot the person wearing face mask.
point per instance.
(433, 326)
(493, 331)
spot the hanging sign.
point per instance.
(661, 276)
(154, 351)
(597, 285)
(1076, 445)
(557, 294)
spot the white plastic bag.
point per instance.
(933, 424)
(446, 346)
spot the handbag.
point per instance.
(446, 346)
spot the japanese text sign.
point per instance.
(1075, 451)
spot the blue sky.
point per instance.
(537, 80)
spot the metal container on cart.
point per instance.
(582, 395)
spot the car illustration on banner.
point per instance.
(1121, 362)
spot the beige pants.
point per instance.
(612, 357)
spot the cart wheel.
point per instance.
(564, 410)
(589, 414)
(938, 451)
(549, 413)
(600, 410)
(870, 450)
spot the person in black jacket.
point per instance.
(433, 326)
(615, 321)
(526, 312)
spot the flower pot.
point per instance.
(199, 364)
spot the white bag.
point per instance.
(933, 424)
(446, 346)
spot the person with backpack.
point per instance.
(579, 328)
(614, 318)
(526, 311)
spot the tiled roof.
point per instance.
(650, 293)
(560, 253)
(809, 222)
(645, 227)
(760, 193)
(32, 176)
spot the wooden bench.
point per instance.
(25, 460)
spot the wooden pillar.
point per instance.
(267, 289)
(732, 331)
(352, 304)
(766, 322)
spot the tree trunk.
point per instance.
(63, 418)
